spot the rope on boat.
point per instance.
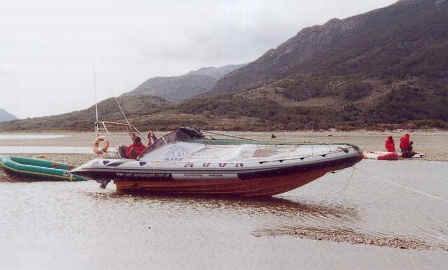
(348, 180)
(122, 112)
(230, 136)
(127, 120)
(110, 135)
(103, 124)
(99, 123)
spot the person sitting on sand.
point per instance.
(134, 150)
(406, 146)
(390, 144)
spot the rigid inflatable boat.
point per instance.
(38, 169)
(382, 155)
(184, 162)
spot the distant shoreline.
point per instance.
(69, 131)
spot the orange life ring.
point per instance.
(96, 146)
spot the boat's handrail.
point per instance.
(237, 142)
(307, 156)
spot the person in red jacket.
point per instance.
(134, 150)
(406, 146)
(390, 144)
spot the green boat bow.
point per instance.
(38, 169)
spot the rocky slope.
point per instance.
(178, 88)
(375, 43)
(387, 66)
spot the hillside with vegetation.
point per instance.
(108, 110)
(388, 66)
(391, 41)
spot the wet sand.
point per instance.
(349, 235)
(377, 215)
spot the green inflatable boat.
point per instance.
(38, 169)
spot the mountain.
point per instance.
(374, 43)
(178, 88)
(215, 72)
(6, 116)
(387, 66)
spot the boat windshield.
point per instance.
(181, 134)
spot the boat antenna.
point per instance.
(97, 123)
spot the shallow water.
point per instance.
(47, 225)
(44, 149)
(48, 150)
(11, 136)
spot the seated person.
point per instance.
(406, 146)
(151, 138)
(134, 150)
(389, 144)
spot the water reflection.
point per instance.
(272, 206)
(16, 178)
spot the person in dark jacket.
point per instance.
(390, 144)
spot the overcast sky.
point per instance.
(48, 48)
